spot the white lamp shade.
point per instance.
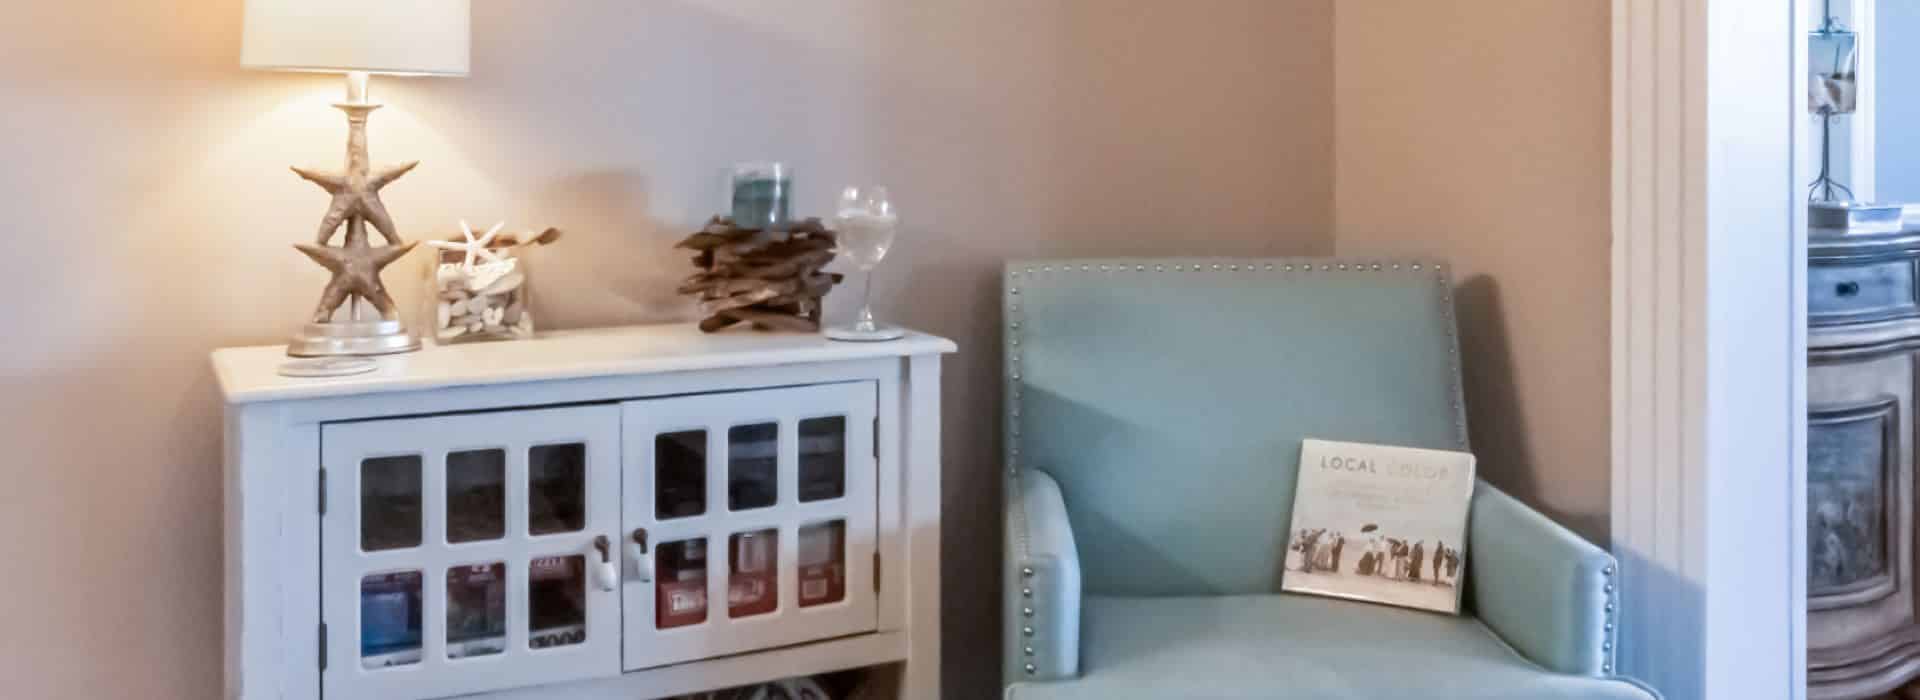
(402, 37)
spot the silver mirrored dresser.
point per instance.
(1863, 310)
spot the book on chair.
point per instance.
(1380, 524)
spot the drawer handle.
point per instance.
(643, 563)
(1847, 289)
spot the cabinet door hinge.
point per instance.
(876, 572)
(323, 646)
(323, 491)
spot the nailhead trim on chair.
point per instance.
(1014, 321)
(1607, 634)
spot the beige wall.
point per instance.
(149, 214)
(1477, 131)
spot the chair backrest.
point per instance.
(1169, 397)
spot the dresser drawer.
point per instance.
(1859, 292)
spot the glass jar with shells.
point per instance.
(479, 285)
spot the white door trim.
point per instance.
(1861, 160)
(1709, 344)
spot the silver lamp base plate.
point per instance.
(352, 338)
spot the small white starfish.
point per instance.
(473, 245)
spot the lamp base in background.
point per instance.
(352, 338)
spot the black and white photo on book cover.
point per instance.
(1381, 524)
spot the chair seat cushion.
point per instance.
(1293, 646)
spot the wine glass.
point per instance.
(865, 222)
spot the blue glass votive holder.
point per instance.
(761, 194)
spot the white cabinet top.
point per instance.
(249, 375)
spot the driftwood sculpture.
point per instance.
(772, 278)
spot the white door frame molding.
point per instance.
(1709, 345)
(1861, 162)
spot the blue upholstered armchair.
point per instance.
(1155, 410)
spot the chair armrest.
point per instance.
(1042, 585)
(1545, 590)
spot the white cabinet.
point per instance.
(627, 513)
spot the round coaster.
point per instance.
(327, 367)
(855, 335)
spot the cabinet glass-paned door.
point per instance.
(750, 521)
(468, 553)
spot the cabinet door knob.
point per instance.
(1847, 289)
(642, 561)
(605, 574)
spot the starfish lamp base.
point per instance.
(355, 264)
(352, 338)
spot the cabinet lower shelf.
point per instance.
(859, 651)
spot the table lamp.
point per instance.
(358, 38)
